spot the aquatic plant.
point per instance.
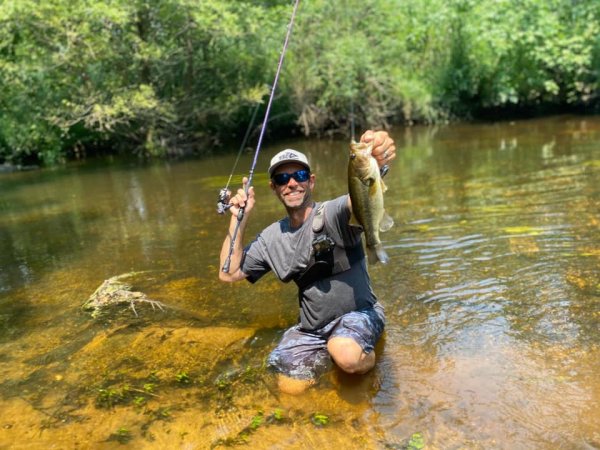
(183, 377)
(277, 416)
(319, 419)
(109, 397)
(223, 382)
(242, 437)
(249, 374)
(115, 291)
(416, 442)
(153, 377)
(162, 413)
(122, 436)
(257, 421)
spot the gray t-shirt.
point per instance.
(287, 251)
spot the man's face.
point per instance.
(294, 194)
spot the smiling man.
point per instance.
(317, 248)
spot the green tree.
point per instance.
(179, 76)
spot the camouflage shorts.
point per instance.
(303, 354)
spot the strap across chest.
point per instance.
(327, 258)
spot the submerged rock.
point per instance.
(114, 292)
(130, 354)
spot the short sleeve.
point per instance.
(254, 262)
(338, 221)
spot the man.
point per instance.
(314, 246)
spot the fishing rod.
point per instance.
(240, 214)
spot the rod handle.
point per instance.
(227, 262)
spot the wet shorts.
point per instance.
(303, 354)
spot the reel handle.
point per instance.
(222, 204)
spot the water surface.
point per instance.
(492, 296)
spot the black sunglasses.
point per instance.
(281, 179)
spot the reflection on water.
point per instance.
(492, 296)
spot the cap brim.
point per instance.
(281, 163)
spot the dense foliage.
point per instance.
(175, 76)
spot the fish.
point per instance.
(366, 190)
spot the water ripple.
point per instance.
(473, 290)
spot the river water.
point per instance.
(492, 297)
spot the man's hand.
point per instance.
(384, 149)
(241, 200)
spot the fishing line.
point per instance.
(352, 130)
(240, 214)
(222, 204)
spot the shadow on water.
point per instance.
(491, 295)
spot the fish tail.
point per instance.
(376, 253)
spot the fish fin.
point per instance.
(367, 181)
(383, 186)
(386, 222)
(377, 254)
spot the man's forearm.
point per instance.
(235, 258)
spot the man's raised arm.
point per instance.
(240, 200)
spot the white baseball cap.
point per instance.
(288, 156)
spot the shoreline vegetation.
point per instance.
(179, 77)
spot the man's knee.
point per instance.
(292, 386)
(349, 355)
